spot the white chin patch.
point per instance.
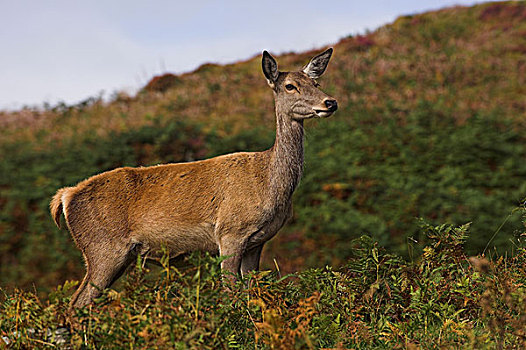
(323, 114)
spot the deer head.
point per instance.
(297, 94)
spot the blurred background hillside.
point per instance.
(432, 125)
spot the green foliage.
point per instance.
(363, 177)
(375, 300)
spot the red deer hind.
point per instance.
(232, 203)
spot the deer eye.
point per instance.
(290, 87)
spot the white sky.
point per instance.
(70, 50)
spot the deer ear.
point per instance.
(270, 68)
(318, 64)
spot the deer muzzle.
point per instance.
(326, 109)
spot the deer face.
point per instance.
(297, 94)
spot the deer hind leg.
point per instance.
(103, 267)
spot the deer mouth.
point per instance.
(323, 113)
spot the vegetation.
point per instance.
(431, 125)
(375, 300)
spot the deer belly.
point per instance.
(178, 240)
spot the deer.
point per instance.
(230, 204)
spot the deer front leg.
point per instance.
(250, 260)
(232, 247)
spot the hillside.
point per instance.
(431, 124)
(466, 60)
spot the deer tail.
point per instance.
(56, 206)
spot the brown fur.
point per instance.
(232, 203)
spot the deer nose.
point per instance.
(332, 105)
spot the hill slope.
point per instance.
(432, 124)
(466, 59)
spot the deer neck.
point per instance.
(286, 157)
